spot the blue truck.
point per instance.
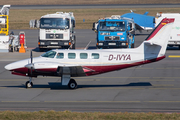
(114, 32)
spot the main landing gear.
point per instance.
(72, 84)
(65, 74)
(66, 78)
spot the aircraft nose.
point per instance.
(8, 67)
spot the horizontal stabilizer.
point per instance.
(151, 43)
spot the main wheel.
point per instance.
(74, 43)
(132, 46)
(29, 84)
(72, 84)
(41, 49)
(179, 47)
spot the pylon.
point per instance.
(22, 49)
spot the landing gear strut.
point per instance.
(66, 79)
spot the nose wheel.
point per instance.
(29, 83)
(72, 84)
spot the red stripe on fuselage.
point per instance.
(104, 69)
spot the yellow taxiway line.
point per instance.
(174, 56)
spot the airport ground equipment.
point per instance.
(142, 21)
(114, 32)
(17, 41)
(8, 42)
(174, 38)
(56, 30)
(4, 28)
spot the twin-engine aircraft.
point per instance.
(75, 63)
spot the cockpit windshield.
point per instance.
(111, 25)
(54, 23)
(49, 54)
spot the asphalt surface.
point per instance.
(148, 88)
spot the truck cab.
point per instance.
(114, 32)
(56, 31)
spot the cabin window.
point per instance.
(71, 55)
(83, 55)
(95, 56)
(60, 56)
(49, 54)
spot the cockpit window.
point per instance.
(49, 54)
(60, 56)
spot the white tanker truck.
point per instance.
(56, 30)
(174, 38)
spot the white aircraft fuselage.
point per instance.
(94, 62)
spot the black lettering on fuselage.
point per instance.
(119, 57)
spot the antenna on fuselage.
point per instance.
(87, 45)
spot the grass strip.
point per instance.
(19, 18)
(67, 115)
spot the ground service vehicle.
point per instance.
(8, 41)
(142, 21)
(114, 32)
(174, 38)
(56, 30)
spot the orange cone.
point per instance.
(22, 49)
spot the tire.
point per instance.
(41, 50)
(29, 85)
(132, 46)
(74, 45)
(72, 84)
(179, 47)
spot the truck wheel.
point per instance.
(41, 50)
(179, 47)
(74, 45)
(132, 46)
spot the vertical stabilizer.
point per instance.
(156, 43)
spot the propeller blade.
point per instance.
(31, 57)
(31, 71)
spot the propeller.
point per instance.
(31, 57)
(30, 65)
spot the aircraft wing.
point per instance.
(61, 68)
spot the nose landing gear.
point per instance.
(29, 83)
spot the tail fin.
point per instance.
(5, 10)
(164, 22)
(156, 43)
